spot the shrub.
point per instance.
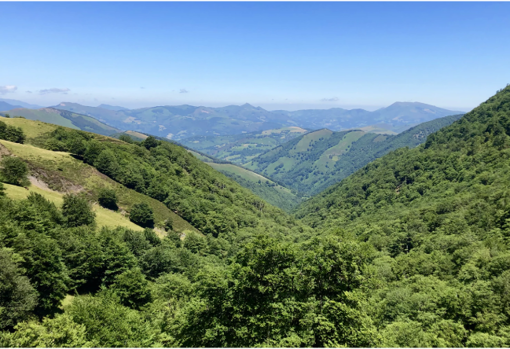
(14, 171)
(108, 199)
(142, 215)
(11, 133)
(77, 211)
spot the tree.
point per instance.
(126, 138)
(142, 215)
(17, 296)
(77, 211)
(14, 171)
(2, 190)
(11, 133)
(132, 288)
(108, 199)
(60, 331)
(150, 142)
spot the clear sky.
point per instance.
(274, 55)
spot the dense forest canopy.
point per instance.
(411, 250)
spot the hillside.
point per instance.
(63, 118)
(165, 172)
(265, 188)
(55, 173)
(185, 121)
(241, 148)
(313, 162)
(438, 216)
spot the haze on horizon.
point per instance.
(274, 55)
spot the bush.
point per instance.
(77, 211)
(14, 171)
(126, 138)
(108, 199)
(11, 133)
(150, 142)
(142, 215)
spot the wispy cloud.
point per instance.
(183, 90)
(28, 91)
(7, 89)
(54, 90)
(142, 88)
(334, 99)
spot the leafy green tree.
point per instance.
(42, 260)
(106, 162)
(150, 142)
(132, 288)
(11, 133)
(108, 199)
(77, 211)
(17, 296)
(60, 331)
(142, 215)
(14, 171)
(126, 138)
(110, 324)
(2, 190)
(151, 237)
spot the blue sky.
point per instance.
(274, 55)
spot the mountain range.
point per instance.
(184, 121)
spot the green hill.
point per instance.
(265, 188)
(438, 217)
(64, 118)
(313, 162)
(241, 148)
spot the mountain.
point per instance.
(7, 106)
(112, 107)
(316, 160)
(397, 117)
(64, 118)
(20, 104)
(241, 148)
(185, 121)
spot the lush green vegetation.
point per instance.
(317, 160)
(411, 250)
(438, 219)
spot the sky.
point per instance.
(274, 55)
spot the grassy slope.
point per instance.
(65, 118)
(60, 171)
(261, 186)
(104, 217)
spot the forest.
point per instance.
(411, 250)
